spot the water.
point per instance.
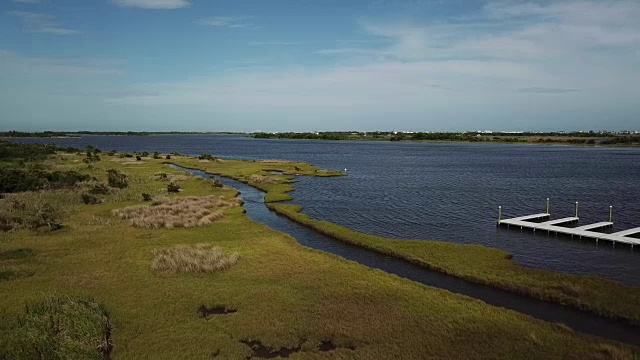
(448, 191)
(577, 320)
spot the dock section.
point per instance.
(534, 223)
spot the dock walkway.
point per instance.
(585, 231)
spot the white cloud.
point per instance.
(154, 4)
(42, 23)
(227, 21)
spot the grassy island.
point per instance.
(127, 258)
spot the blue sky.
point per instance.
(287, 65)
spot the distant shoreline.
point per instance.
(559, 143)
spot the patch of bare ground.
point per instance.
(259, 350)
(181, 212)
(198, 258)
(207, 311)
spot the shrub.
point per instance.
(217, 183)
(31, 210)
(138, 158)
(207, 157)
(57, 328)
(173, 187)
(188, 211)
(112, 153)
(168, 157)
(145, 154)
(117, 179)
(198, 258)
(160, 176)
(147, 197)
(99, 189)
(17, 179)
(156, 155)
(89, 199)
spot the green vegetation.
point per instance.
(280, 298)
(569, 138)
(57, 328)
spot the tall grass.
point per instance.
(182, 212)
(198, 258)
(57, 328)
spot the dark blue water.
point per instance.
(449, 191)
(577, 320)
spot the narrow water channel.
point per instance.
(575, 319)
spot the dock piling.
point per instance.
(499, 214)
(610, 213)
(576, 209)
(547, 205)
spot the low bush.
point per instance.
(138, 158)
(89, 199)
(173, 187)
(216, 183)
(168, 157)
(32, 210)
(29, 178)
(207, 157)
(117, 179)
(156, 155)
(99, 189)
(57, 328)
(147, 197)
(198, 258)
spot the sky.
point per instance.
(319, 65)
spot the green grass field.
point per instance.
(288, 299)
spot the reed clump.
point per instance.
(198, 258)
(182, 212)
(263, 179)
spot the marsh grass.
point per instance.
(181, 212)
(58, 327)
(198, 258)
(263, 179)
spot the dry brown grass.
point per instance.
(264, 179)
(181, 212)
(170, 177)
(198, 258)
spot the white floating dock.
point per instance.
(585, 231)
